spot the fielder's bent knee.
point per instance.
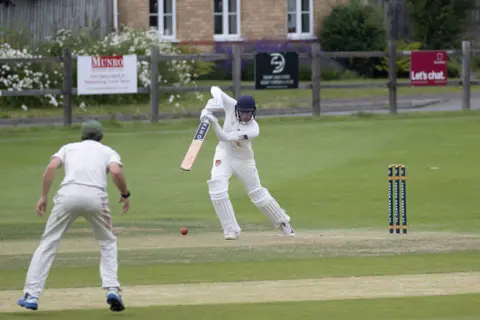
(260, 197)
(218, 189)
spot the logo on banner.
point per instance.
(278, 60)
(440, 59)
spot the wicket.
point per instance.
(400, 204)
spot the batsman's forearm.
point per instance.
(120, 182)
(234, 135)
(222, 136)
(47, 181)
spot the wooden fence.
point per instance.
(316, 84)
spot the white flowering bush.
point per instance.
(128, 41)
(25, 76)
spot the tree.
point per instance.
(439, 24)
(7, 3)
(354, 27)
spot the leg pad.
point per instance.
(262, 199)
(218, 190)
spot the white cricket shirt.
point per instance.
(240, 135)
(86, 163)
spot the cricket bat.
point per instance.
(195, 146)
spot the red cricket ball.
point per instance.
(183, 231)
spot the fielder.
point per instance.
(234, 155)
(83, 192)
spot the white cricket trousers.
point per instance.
(71, 202)
(223, 168)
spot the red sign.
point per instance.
(428, 68)
(107, 62)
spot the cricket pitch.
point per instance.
(257, 291)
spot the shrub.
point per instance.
(25, 76)
(454, 67)
(335, 74)
(475, 64)
(354, 27)
(403, 63)
(128, 41)
(199, 68)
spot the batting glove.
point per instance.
(210, 118)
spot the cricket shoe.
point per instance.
(28, 302)
(287, 230)
(231, 235)
(115, 300)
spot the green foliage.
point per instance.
(354, 27)
(454, 67)
(440, 24)
(305, 74)
(403, 63)
(334, 74)
(476, 64)
(199, 68)
(18, 37)
(78, 41)
(27, 76)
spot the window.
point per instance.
(162, 17)
(300, 19)
(226, 19)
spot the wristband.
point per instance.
(125, 196)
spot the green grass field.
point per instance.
(330, 174)
(291, 98)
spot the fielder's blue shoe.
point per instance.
(115, 301)
(28, 302)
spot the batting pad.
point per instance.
(262, 199)
(218, 190)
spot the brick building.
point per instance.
(212, 21)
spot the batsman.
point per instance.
(234, 155)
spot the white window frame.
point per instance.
(160, 15)
(225, 13)
(298, 34)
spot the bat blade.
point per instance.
(195, 146)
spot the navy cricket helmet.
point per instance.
(245, 104)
